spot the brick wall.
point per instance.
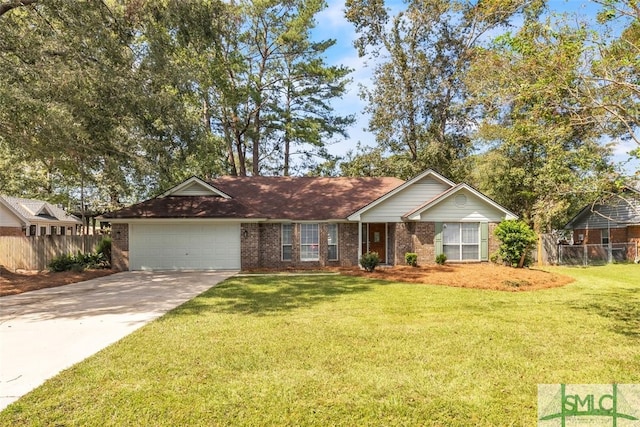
(401, 239)
(11, 231)
(348, 244)
(423, 242)
(618, 235)
(594, 236)
(120, 247)
(249, 246)
(261, 247)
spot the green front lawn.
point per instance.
(334, 350)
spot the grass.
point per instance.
(338, 350)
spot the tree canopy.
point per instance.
(104, 102)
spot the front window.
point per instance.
(286, 242)
(461, 241)
(332, 241)
(605, 237)
(43, 231)
(54, 230)
(309, 242)
(32, 230)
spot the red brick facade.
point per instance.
(594, 236)
(261, 245)
(11, 231)
(120, 247)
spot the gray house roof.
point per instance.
(31, 211)
(616, 211)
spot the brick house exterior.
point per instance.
(286, 222)
(30, 217)
(615, 220)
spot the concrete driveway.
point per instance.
(43, 332)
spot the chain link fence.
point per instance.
(597, 254)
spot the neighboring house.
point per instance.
(28, 217)
(293, 222)
(614, 220)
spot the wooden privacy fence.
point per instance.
(36, 252)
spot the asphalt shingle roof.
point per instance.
(281, 198)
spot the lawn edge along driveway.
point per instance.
(45, 331)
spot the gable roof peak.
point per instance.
(194, 186)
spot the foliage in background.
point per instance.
(113, 100)
(516, 240)
(107, 102)
(541, 160)
(417, 102)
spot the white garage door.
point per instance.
(184, 246)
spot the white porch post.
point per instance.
(359, 241)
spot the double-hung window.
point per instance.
(287, 242)
(332, 242)
(461, 241)
(309, 242)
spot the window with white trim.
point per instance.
(286, 242)
(604, 236)
(309, 242)
(461, 241)
(332, 242)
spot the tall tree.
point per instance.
(66, 88)
(253, 72)
(417, 103)
(539, 160)
(615, 73)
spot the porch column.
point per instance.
(359, 241)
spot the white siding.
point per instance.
(173, 246)
(618, 213)
(474, 210)
(8, 218)
(194, 189)
(392, 209)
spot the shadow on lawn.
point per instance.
(273, 294)
(622, 307)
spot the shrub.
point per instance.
(104, 248)
(411, 259)
(369, 261)
(62, 263)
(77, 262)
(516, 239)
(441, 259)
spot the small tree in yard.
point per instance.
(516, 239)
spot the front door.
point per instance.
(377, 240)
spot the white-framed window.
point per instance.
(287, 238)
(332, 242)
(461, 241)
(309, 242)
(604, 236)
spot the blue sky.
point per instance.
(333, 25)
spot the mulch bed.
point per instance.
(12, 283)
